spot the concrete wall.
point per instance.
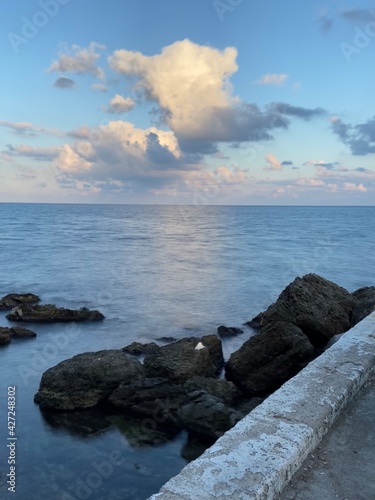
(256, 458)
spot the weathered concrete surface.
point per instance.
(257, 458)
(342, 466)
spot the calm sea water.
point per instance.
(153, 271)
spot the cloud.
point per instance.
(360, 138)
(325, 23)
(350, 186)
(273, 79)
(120, 104)
(79, 60)
(29, 129)
(190, 84)
(64, 83)
(287, 162)
(38, 153)
(296, 111)
(358, 15)
(310, 182)
(322, 164)
(273, 163)
(99, 87)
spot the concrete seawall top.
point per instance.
(257, 457)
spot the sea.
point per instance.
(153, 271)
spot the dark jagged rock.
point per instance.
(227, 331)
(86, 379)
(365, 303)
(155, 398)
(137, 349)
(208, 415)
(268, 359)
(15, 299)
(186, 358)
(50, 313)
(7, 333)
(320, 308)
(226, 391)
(79, 423)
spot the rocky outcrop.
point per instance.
(6, 334)
(365, 303)
(137, 349)
(320, 308)
(268, 359)
(50, 313)
(186, 358)
(86, 379)
(15, 299)
(228, 331)
(208, 415)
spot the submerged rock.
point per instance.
(15, 299)
(365, 303)
(227, 331)
(320, 308)
(86, 379)
(7, 333)
(186, 358)
(50, 313)
(268, 359)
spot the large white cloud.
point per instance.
(190, 83)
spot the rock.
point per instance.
(365, 303)
(15, 299)
(225, 331)
(136, 348)
(168, 340)
(7, 333)
(195, 446)
(268, 359)
(82, 423)
(140, 433)
(320, 308)
(207, 415)
(50, 313)
(22, 332)
(5, 336)
(86, 379)
(155, 398)
(226, 391)
(181, 360)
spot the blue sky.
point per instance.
(206, 101)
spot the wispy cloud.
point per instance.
(273, 163)
(120, 104)
(272, 79)
(78, 60)
(64, 83)
(360, 138)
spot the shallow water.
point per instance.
(153, 271)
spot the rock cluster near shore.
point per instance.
(178, 384)
(24, 308)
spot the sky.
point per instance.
(246, 102)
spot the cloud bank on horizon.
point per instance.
(199, 118)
